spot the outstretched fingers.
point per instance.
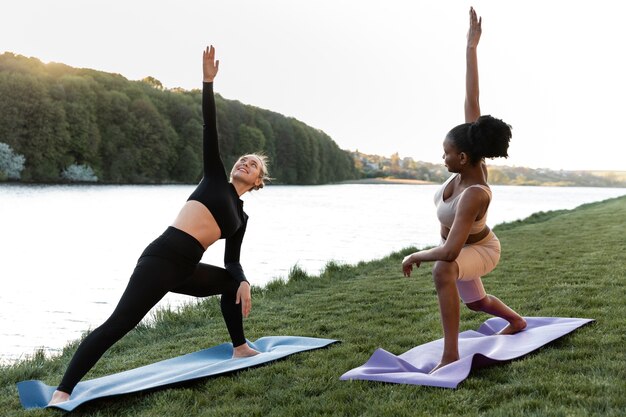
(475, 21)
(475, 28)
(209, 65)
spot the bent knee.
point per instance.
(477, 305)
(228, 297)
(445, 272)
(110, 332)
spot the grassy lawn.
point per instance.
(566, 263)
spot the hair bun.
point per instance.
(490, 137)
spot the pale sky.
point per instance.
(378, 76)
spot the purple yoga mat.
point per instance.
(476, 348)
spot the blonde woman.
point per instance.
(172, 262)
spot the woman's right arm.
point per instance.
(471, 203)
(232, 252)
(211, 152)
(472, 104)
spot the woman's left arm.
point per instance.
(471, 203)
(212, 160)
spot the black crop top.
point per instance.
(217, 193)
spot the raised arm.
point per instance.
(472, 104)
(211, 153)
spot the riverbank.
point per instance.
(612, 179)
(387, 180)
(566, 263)
(37, 312)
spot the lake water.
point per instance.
(66, 252)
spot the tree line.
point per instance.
(59, 123)
(376, 166)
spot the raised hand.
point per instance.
(472, 103)
(475, 29)
(209, 65)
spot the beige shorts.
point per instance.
(474, 261)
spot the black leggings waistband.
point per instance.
(177, 246)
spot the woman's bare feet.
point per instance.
(59, 397)
(244, 351)
(514, 326)
(444, 362)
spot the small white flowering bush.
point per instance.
(11, 163)
(79, 173)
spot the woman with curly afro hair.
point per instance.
(468, 249)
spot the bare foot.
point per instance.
(59, 397)
(244, 351)
(443, 363)
(514, 326)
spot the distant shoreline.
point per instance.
(387, 181)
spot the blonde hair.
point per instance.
(263, 168)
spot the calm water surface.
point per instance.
(66, 252)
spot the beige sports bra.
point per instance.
(446, 210)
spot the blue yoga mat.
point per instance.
(208, 362)
(476, 348)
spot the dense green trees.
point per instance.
(62, 119)
(59, 123)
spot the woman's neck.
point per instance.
(472, 175)
(240, 187)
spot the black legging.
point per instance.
(170, 263)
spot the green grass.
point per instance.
(566, 263)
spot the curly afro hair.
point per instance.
(487, 137)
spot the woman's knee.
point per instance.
(228, 297)
(445, 273)
(477, 305)
(125, 323)
(111, 331)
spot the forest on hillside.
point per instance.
(65, 124)
(59, 123)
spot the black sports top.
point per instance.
(217, 193)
